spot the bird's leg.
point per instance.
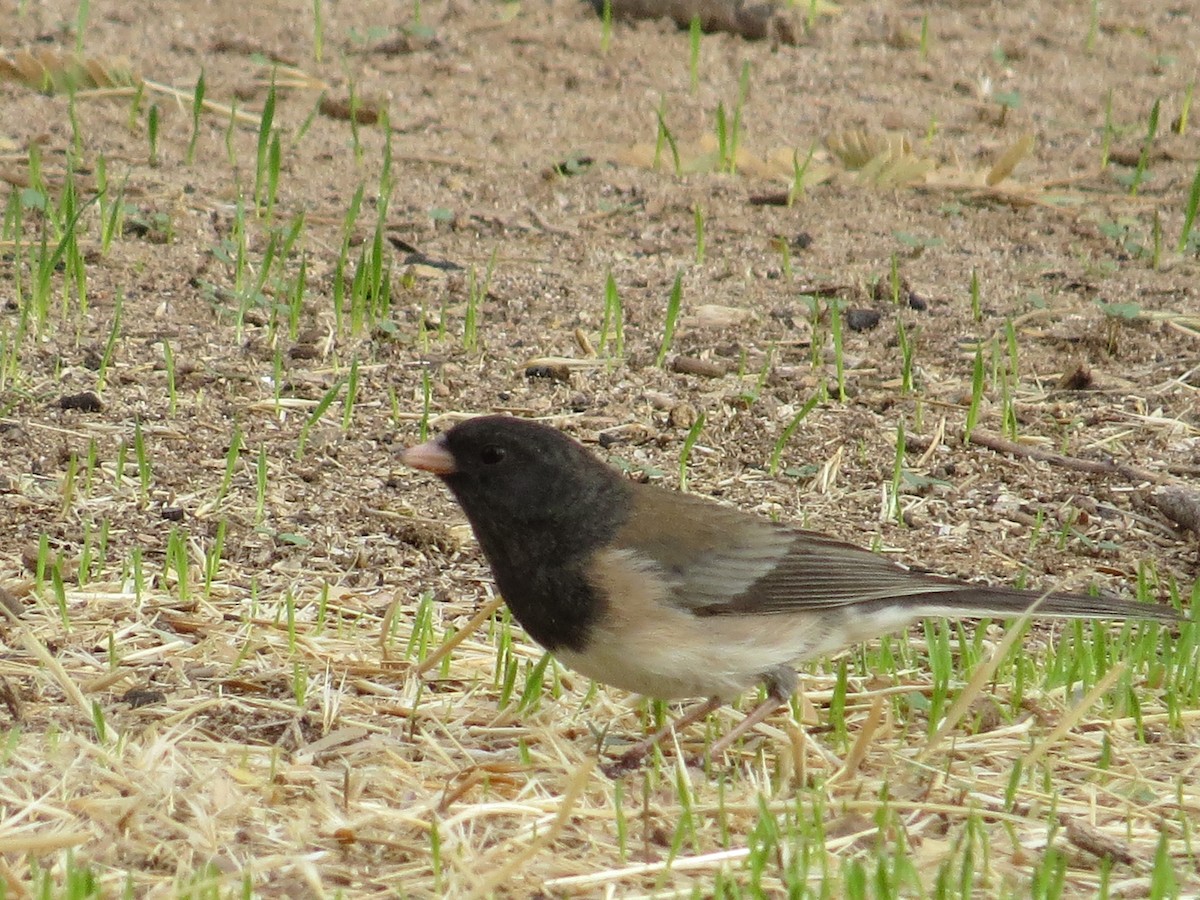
(781, 684)
(633, 757)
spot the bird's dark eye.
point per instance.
(491, 454)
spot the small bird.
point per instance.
(674, 596)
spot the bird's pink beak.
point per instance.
(432, 456)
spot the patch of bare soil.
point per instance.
(221, 586)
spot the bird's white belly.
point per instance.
(665, 672)
(686, 656)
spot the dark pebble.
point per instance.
(860, 319)
(88, 401)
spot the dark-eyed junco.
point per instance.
(674, 596)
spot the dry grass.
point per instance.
(227, 777)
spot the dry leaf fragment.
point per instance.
(894, 172)
(1008, 160)
(856, 147)
(53, 72)
(882, 158)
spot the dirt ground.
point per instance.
(520, 146)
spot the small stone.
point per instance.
(9, 602)
(304, 351)
(87, 401)
(682, 415)
(553, 372)
(660, 400)
(141, 697)
(861, 319)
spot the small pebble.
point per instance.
(88, 401)
(860, 319)
(682, 415)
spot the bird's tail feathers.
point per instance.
(993, 602)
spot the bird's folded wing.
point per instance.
(813, 572)
(731, 562)
(726, 562)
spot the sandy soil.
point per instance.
(484, 101)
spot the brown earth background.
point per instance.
(289, 741)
